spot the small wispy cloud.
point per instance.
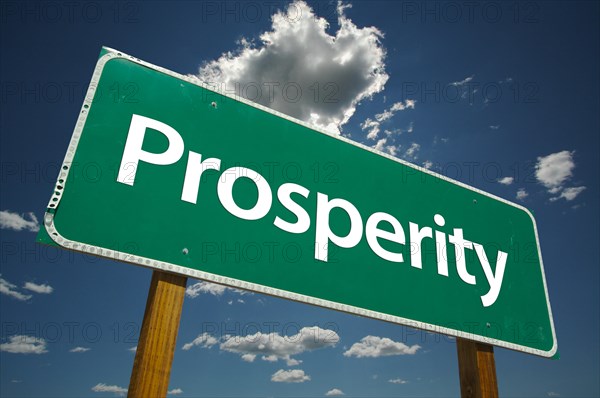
(463, 81)
(569, 193)
(506, 180)
(40, 289)
(373, 127)
(522, 194)
(175, 391)
(213, 289)
(412, 151)
(22, 344)
(204, 340)
(495, 127)
(79, 349)
(11, 290)
(18, 222)
(102, 387)
(397, 381)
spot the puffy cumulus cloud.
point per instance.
(335, 392)
(290, 376)
(270, 347)
(506, 180)
(199, 288)
(374, 347)
(299, 69)
(204, 340)
(175, 391)
(101, 387)
(21, 344)
(522, 194)
(554, 170)
(79, 349)
(40, 289)
(18, 222)
(10, 290)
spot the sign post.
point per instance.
(158, 335)
(477, 369)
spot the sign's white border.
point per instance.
(168, 267)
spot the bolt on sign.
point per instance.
(164, 172)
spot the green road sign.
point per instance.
(164, 172)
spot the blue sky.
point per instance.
(503, 96)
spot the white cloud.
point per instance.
(132, 349)
(392, 150)
(101, 387)
(290, 376)
(17, 222)
(397, 381)
(273, 347)
(506, 180)
(411, 152)
(248, 357)
(569, 193)
(11, 290)
(463, 81)
(373, 127)
(398, 106)
(293, 362)
(495, 127)
(175, 391)
(380, 146)
(374, 347)
(197, 289)
(21, 344)
(41, 289)
(522, 194)
(428, 164)
(334, 72)
(204, 340)
(214, 289)
(554, 170)
(335, 392)
(80, 349)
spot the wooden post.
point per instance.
(477, 369)
(156, 347)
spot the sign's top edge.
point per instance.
(194, 80)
